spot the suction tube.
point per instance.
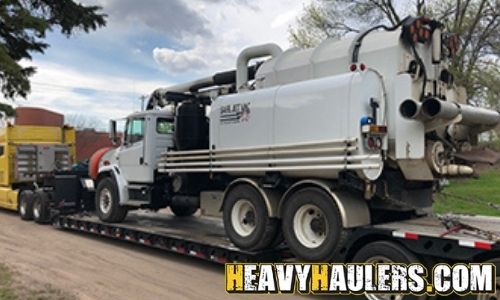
(434, 109)
(248, 54)
(410, 109)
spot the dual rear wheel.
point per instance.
(34, 205)
(311, 223)
(247, 221)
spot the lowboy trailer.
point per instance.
(445, 239)
(429, 239)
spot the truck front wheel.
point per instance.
(312, 225)
(107, 202)
(246, 220)
(25, 205)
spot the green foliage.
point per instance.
(23, 25)
(471, 196)
(476, 66)
(8, 110)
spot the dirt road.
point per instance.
(93, 268)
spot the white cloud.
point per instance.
(285, 18)
(66, 77)
(178, 61)
(234, 27)
(209, 33)
(69, 91)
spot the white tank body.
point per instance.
(382, 51)
(312, 111)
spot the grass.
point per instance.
(12, 288)
(471, 196)
(6, 290)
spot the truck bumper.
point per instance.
(8, 198)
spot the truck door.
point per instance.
(131, 157)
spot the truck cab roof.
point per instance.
(165, 113)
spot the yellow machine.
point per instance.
(29, 155)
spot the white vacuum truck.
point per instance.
(305, 145)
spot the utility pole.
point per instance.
(143, 98)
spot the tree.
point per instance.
(23, 26)
(8, 110)
(82, 122)
(475, 67)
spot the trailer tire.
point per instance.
(107, 202)
(41, 207)
(25, 205)
(496, 262)
(183, 210)
(257, 230)
(312, 225)
(387, 252)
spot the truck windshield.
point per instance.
(164, 126)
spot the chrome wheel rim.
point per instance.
(22, 208)
(243, 217)
(382, 260)
(310, 226)
(36, 210)
(105, 200)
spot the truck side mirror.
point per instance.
(112, 132)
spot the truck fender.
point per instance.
(270, 196)
(95, 160)
(121, 183)
(353, 210)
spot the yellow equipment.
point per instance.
(29, 154)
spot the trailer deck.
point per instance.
(482, 229)
(201, 237)
(449, 237)
(465, 237)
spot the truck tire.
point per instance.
(496, 296)
(183, 210)
(107, 202)
(312, 225)
(246, 219)
(25, 205)
(41, 207)
(387, 252)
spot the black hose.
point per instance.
(422, 66)
(359, 40)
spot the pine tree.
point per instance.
(23, 27)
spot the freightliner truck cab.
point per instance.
(127, 175)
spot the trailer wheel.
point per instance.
(25, 205)
(496, 296)
(246, 219)
(387, 252)
(41, 207)
(183, 210)
(107, 202)
(312, 225)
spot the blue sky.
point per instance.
(150, 44)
